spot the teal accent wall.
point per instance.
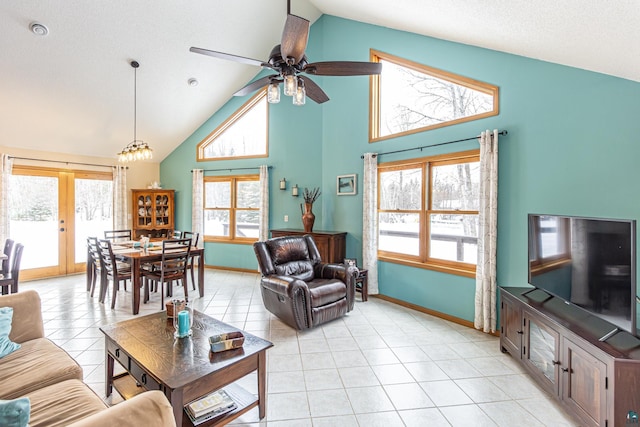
(572, 149)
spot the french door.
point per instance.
(52, 212)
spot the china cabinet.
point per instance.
(152, 213)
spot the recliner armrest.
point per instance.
(335, 271)
(283, 285)
(346, 274)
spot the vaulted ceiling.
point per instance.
(72, 90)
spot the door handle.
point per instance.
(62, 229)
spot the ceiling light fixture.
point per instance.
(273, 93)
(300, 97)
(290, 84)
(136, 149)
(38, 29)
(192, 82)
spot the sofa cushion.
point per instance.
(63, 403)
(14, 413)
(6, 345)
(38, 363)
(326, 291)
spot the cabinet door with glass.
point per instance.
(541, 351)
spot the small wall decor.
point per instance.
(347, 185)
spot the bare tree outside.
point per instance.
(412, 100)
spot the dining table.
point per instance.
(137, 256)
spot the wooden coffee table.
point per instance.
(183, 369)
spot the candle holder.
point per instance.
(182, 318)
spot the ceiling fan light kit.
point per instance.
(273, 93)
(288, 60)
(290, 85)
(300, 96)
(136, 149)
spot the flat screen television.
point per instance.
(589, 262)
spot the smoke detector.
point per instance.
(38, 29)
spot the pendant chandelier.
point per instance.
(136, 149)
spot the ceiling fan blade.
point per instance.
(229, 57)
(313, 91)
(343, 68)
(294, 38)
(253, 86)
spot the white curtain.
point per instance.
(120, 198)
(5, 176)
(264, 203)
(485, 302)
(197, 205)
(370, 220)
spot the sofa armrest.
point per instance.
(26, 324)
(150, 408)
(283, 285)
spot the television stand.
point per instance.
(591, 369)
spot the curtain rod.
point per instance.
(63, 161)
(502, 132)
(230, 169)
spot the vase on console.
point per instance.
(308, 218)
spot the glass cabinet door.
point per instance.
(541, 351)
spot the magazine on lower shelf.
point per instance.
(210, 406)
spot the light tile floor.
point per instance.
(381, 365)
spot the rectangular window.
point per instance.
(232, 208)
(428, 212)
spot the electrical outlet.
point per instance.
(286, 218)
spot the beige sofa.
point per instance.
(52, 380)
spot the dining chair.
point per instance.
(194, 242)
(115, 235)
(6, 263)
(172, 267)
(176, 234)
(94, 267)
(9, 281)
(114, 271)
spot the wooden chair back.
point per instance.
(6, 263)
(115, 235)
(10, 280)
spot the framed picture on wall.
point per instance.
(347, 185)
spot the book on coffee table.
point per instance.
(210, 406)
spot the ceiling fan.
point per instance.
(289, 61)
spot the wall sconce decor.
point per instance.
(283, 184)
(294, 190)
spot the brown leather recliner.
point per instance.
(298, 287)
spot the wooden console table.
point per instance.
(331, 244)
